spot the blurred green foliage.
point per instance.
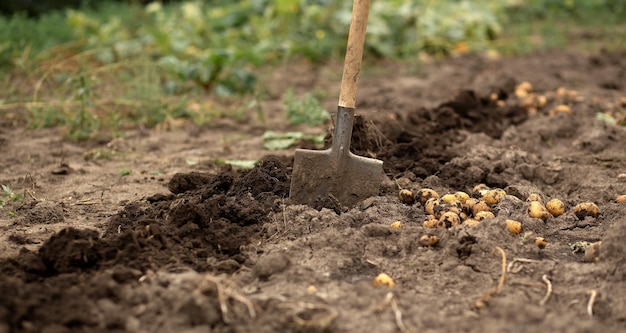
(120, 64)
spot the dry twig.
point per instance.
(509, 267)
(548, 291)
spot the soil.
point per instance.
(185, 243)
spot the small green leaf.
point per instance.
(124, 172)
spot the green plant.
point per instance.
(8, 196)
(306, 110)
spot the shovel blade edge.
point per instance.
(318, 173)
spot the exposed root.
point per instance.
(311, 315)
(509, 267)
(224, 294)
(482, 302)
(397, 314)
(592, 300)
(548, 291)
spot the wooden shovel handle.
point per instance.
(354, 53)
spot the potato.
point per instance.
(523, 89)
(537, 210)
(396, 225)
(463, 216)
(430, 205)
(383, 280)
(431, 222)
(480, 206)
(479, 190)
(621, 198)
(428, 240)
(461, 196)
(514, 227)
(481, 216)
(406, 196)
(448, 197)
(468, 206)
(585, 209)
(471, 222)
(493, 197)
(449, 220)
(534, 197)
(560, 109)
(540, 242)
(424, 194)
(556, 207)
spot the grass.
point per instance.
(127, 66)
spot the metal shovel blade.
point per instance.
(337, 171)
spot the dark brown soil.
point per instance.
(203, 247)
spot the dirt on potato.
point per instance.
(187, 244)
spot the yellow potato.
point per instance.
(534, 197)
(585, 209)
(471, 222)
(540, 242)
(468, 206)
(480, 206)
(428, 240)
(514, 227)
(480, 190)
(621, 198)
(556, 207)
(523, 89)
(481, 216)
(449, 220)
(493, 197)
(383, 280)
(396, 225)
(431, 222)
(424, 194)
(430, 205)
(537, 210)
(406, 196)
(448, 197)
(461, 196)
(560, 109)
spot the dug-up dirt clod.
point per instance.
(585, 209)
(592, 253)
(383, 280)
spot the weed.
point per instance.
(8, 196)
(306, 110)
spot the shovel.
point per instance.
(337, 171)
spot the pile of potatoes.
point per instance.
(453, 209)
(532, 101)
